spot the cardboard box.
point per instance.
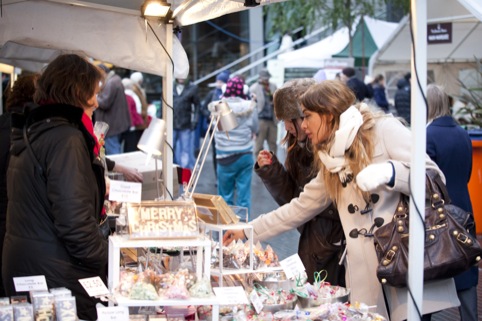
(147, 167)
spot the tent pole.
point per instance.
(417, 171)
(167, 114)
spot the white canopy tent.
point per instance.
(445, 59)
(315, 55)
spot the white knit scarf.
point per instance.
(335, 162)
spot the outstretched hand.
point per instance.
(130, 174)
(232, 235)
(264, 158)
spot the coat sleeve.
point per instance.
(196, 104)
(397, 142)
(73, 206)
(254, 118)
(277, 181)
(380, 97)
(313, 200)
(107, 96)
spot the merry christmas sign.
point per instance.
(163, 219)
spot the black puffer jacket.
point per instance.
(186, 107)
(52, 219)
(316, 247)
(402, 99)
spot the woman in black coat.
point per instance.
(55, 202)
(449, 146)
(321, 240)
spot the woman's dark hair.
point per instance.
(21, 93)
(68, 79)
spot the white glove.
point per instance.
(374, 176)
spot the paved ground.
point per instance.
(286, 244)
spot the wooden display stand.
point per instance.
(213, 209)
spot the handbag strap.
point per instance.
(38, 167)
(435, 185)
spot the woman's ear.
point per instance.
(330, 117)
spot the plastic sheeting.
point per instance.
(35, 32)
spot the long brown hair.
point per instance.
(286, 102)
(21, 93)
(68, 79)
(332, 97)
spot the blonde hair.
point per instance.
(438, 102)
(332, 97)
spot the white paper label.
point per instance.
(231, 295)
(94, 286)
(121, 191)
(256, 301)
(292, 266)
(30, 283)
(113, 313)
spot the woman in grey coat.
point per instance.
(363, 165)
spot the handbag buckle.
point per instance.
(389, 256)
(462, 238)
(437, 203)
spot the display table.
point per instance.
(203, 257)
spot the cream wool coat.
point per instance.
(393, 144)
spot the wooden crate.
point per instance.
(214, 210)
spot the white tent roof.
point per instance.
(380, 30)
(466, 17)
(313, 56)
(33, 32)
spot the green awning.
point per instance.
(363, 45)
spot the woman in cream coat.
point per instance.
(363, 166)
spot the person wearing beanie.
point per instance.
(137, 80)
(320, 246)
(234, 149)
(268, 131)
(361, 91)
(132, 136)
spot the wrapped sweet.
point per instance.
(201, 289)
(177, 289)
(127, 278)
(344, 312)
(143, 291)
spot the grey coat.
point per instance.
(393, 145)
(113, 108)
(257, 89)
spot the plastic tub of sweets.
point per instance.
(276, 281)
(289, 305)
(341, 295)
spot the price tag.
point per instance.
(256, 301)
(121, 191)
(292, 266)
(231, 295)
(113, 313)
(30, 283)
(94, 286)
